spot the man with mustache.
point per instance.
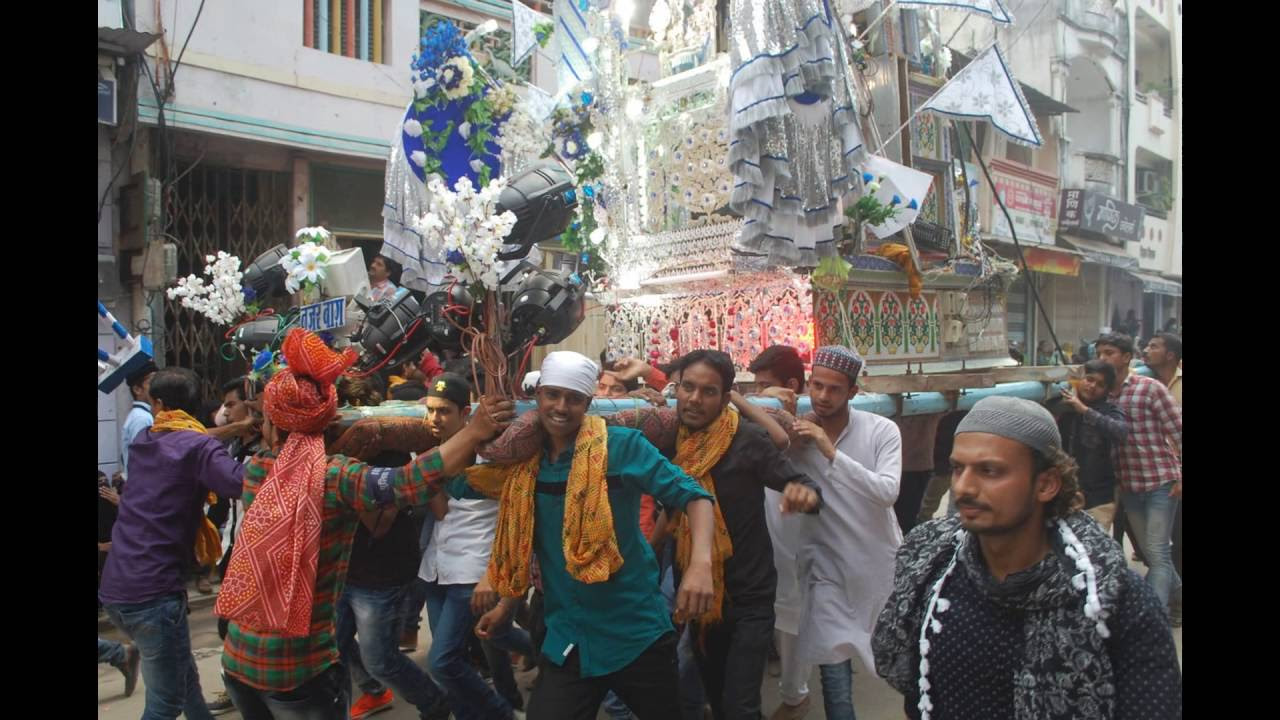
(575, 505)
(846, 555)
(1021, 606)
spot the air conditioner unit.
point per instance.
(952, 332)
(952, 304)
(1148, 182)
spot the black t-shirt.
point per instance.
(751, 464)
(392, 560)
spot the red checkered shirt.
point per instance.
(268, 661)
(1150, 458)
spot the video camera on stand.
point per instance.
(546, 305)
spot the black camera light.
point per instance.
(547, 307)
(543, 199)
(386, 324)
(265, 276)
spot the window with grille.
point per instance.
(351, 28)
(497, 43)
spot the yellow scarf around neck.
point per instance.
(696, 453)
(590, 544)
(171, 420)
(208, 542)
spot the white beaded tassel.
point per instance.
(939, 604)
(1086, 579)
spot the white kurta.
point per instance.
(784, 533)
(846, 556)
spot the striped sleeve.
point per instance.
(364, 487)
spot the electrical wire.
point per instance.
(1035, 294)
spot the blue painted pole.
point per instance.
(928, 403)
(322, 26)
(362, 27)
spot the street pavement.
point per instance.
(873, 698)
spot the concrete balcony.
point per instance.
(1157, 244)
(1103, 31)
(1153, 124)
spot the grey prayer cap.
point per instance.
(1022, 420)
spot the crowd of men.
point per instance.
(651, 561)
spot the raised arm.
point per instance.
(366, 488)
(757, 415)
(1111, 421)
(519, 443)
(370, 436)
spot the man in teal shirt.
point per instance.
(616, 634)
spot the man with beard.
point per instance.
(574, 505)
(1021, 606)
(846, 555)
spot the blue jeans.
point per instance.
(837, 690)
(615, 708)
(693, 696)
(470, 697)
(159, 630)
(110, 652)
(497, 651)
(1150, 514)
(374, 613)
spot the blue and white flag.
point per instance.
(574, 61)
(985, 89)
(523, 39)
(993, 9)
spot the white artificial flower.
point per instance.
(873, 187)
(465, 130)
(413, 128)
(595, 140)
(944, 59)
(419, 158)
(455, 77)
(597, 236)
(477, 165)
(570, 147)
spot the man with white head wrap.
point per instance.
(575, 505)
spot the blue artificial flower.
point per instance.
(913, 204)
(867, 177)
(587, 97)
(450, 77)
(249, 293)
(455, 257)
(576, 225)
(586, 257)
(262, 360)
(441, 42)
(896, 200)
(582, 4)
(589, 191)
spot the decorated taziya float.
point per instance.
(784, 172)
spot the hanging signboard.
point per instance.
(1099, 214)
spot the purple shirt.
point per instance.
(170, 476)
